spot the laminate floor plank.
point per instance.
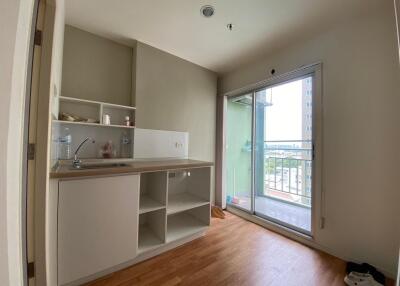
(234, 252)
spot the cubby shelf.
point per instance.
(147, 204)
(95, 110)
(182, 225)
(148, 240)
(173, 205)
(184, 201)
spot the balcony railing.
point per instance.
(288, 170)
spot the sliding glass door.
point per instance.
(269, 152)
(283, 153)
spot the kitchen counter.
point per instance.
(65, 171)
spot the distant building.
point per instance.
(306, 126)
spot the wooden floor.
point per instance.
(234, 252)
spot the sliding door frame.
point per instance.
(317, 200)
(226, 97)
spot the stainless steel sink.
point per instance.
(100, 166)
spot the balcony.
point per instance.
(283, 184)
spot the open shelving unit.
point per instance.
(173, 205)
(90, 115)
(94, 110)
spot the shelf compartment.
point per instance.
(184, 201)
(188, 189)
(95, 110)
(151, 230)
(82, 108)
(117, 114)
(148, 240)
(181, 225)
(148, 204)
(153, 191)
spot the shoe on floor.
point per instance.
(360, 279)
(365, 268)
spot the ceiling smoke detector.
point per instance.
(207, 11)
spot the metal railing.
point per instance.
(288, 168)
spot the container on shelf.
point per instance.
(127, 121)
(106, 119)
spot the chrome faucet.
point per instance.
(76, 163)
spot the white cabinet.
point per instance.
(107, 223)
(97, 225)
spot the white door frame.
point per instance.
(317, 189)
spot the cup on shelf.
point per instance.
(127, 121)
(106, 119)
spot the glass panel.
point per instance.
(283, 153)
(238, 151)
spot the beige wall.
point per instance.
(15, 20)
(174, 94)
(96, 68)
(361, 138)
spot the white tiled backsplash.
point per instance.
(149, 143)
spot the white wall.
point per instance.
(15, 23)
(176, 95)
(96, 68)
(361, 138)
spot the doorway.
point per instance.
(270, 151)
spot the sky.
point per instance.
(283, 118)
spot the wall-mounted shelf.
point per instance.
(95, 110)
(83, 117)
(92, 124)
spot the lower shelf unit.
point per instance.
(156, 228)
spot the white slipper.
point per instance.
(360, 279)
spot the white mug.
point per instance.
(106, 119)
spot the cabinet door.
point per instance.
(97, 225)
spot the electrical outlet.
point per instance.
(178, 145)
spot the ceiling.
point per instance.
(177, 27)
